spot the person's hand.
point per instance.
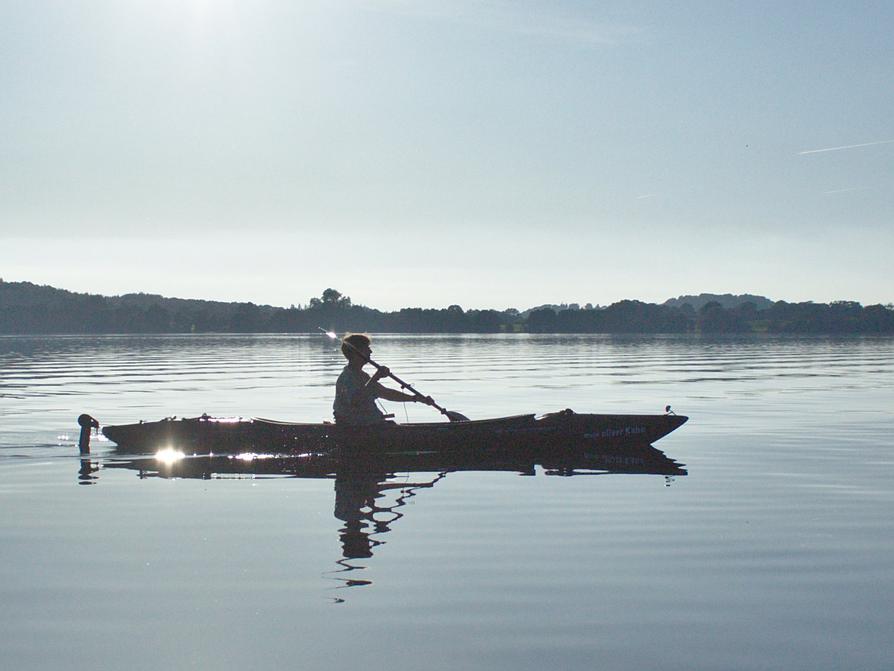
(381, 371)
(428, 400)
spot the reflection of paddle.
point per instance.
(452, 415)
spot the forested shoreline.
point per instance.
(26, 308)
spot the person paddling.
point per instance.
(356, 392)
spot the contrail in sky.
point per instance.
(849, 189)
(847, 146)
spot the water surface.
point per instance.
(774, 550)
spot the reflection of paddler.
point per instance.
(354, 493)
(355, 505)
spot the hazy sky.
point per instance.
(491, 154)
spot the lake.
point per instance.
(771, 547)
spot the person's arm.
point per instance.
(401, 397)
(382, 391)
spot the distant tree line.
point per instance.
(27, 308)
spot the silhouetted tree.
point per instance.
(714, 318)
(331, 298)
(542, 321)
(246, 319)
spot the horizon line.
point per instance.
(542, 305)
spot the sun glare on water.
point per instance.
(169, 456)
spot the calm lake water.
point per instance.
(773, 549)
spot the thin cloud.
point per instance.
(847, 146)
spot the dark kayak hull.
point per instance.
(208, 435)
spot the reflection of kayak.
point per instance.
(362, 477)
(553, 431)
(631, 459)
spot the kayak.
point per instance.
(558, 430)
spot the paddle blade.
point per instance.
(454, 416)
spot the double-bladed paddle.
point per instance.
(452, 415)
